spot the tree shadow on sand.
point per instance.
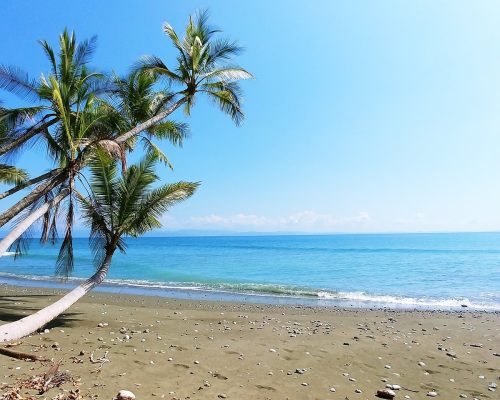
(14, 307)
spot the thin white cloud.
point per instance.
(301, 221)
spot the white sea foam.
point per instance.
(279, 291)
(9, 253)
(408, 301)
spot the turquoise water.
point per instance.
(410, 270)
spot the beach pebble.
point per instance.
(222, 396)
(393, 387)
(421, 364)
(492, 385)
(300, 371)
(387, 366)
(462, 396)
(358, 391)
(125, 395)
(272, 350)
(432, 394)
(46, 331)
(386, 394)
(332, 389)
(305, 384)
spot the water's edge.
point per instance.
(194, 293)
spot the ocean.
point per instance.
(410, 271)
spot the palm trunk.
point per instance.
(150, 122)
(123, 159)
(23, 185)
(27, 136)
(7, 241)
(27, 325)
(39, 191)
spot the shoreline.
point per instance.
(180, 349)
(359, 301)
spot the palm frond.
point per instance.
(16, 81)
(174, 132)
(65, 259)
(155, 203)
(228, 74)
(15, 117)
(156, 153)
(223, 50)
(155, 66)
(12, 175)
(84, 51)
(227, 101)
(136, 180)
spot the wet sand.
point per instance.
(172, 349)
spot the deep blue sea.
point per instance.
(436, 271)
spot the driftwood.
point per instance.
(20, 355)
(100, 360)
(42, 383)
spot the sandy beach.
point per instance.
(166, 348)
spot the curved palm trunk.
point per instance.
(150, 122)
(30, 182)
(11, 237)
(39, 191)
(27, 325)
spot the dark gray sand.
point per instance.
(171, 349)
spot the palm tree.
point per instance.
(118, 207)
(202, 67)
(138, 101)
(62, 97)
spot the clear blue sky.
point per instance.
(364, 116)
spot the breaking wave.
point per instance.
(295, 295)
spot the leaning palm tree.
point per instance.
(118, 207)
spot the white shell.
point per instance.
(125, 395)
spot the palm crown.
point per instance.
(202, 66)
(126, 205)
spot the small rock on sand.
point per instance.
(124, 395)
(386, 394)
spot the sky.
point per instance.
(363, 116)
